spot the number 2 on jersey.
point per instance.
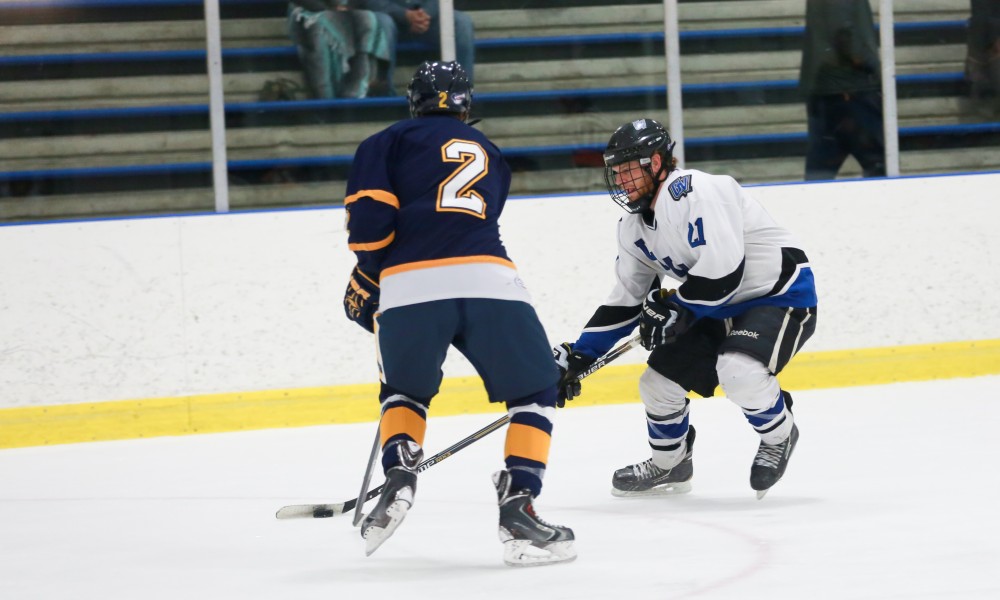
(455, 193)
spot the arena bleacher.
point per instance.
(104, 103)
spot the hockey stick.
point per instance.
(358, 514)
(612, 354)
(323, 511)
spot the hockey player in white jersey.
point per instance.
(745, 304)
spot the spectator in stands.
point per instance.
(841, 80)
(343, 50)
(417, 21)
(982, 63)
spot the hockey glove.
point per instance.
(570, 364)
(662, 320)
(361, 299)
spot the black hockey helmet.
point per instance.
(637, 140)
(439, 87)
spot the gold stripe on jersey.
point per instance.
(445, 262)
(367, 278)
(399, 420)
(525, 441)
(376, 195)
(370, 246)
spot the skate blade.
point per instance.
(375, 536)
(761, 493)
(521, 553)
(672, 489)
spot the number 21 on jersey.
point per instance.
(455, 194)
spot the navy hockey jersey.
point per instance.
(423, 201)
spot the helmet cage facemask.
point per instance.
(618, 191)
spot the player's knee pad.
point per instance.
(661, 396)
(746, 381)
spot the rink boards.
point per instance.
(176, 325)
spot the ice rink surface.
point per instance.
(892, 493)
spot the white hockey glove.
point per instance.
(661, 320)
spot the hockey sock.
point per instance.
(403, 418)
(666, 436)
(667, 411)
(772, 424)
(529, 435)
(749, 384)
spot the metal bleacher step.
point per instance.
(491, 23)
(65, 38)
(117, 92)
(564, 181)
(536, 75)
(340, 139)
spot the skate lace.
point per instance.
(770, 456)
(529, 508)
(646, 469)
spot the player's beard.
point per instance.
(642, 187)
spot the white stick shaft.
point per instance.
(358, 512)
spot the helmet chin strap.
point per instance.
(656, 188)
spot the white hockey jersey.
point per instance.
(712, 237)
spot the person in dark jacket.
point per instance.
(841, 80)
(982, 63)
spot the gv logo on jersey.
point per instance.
(680, 187)
(680, 270)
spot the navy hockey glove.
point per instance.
(661, 320)
(361, 299)
(570, 364)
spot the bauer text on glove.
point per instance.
(661, 320)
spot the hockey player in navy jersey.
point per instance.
(745, 304)
(423, 199)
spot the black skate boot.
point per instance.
(647, 479)
(527, 540)
(772, 459)
(396, 498)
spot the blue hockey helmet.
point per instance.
(637, 140)
(439, 87)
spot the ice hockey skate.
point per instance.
(396, 499)
(527, 540)
(770, 462)
(647, 479)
